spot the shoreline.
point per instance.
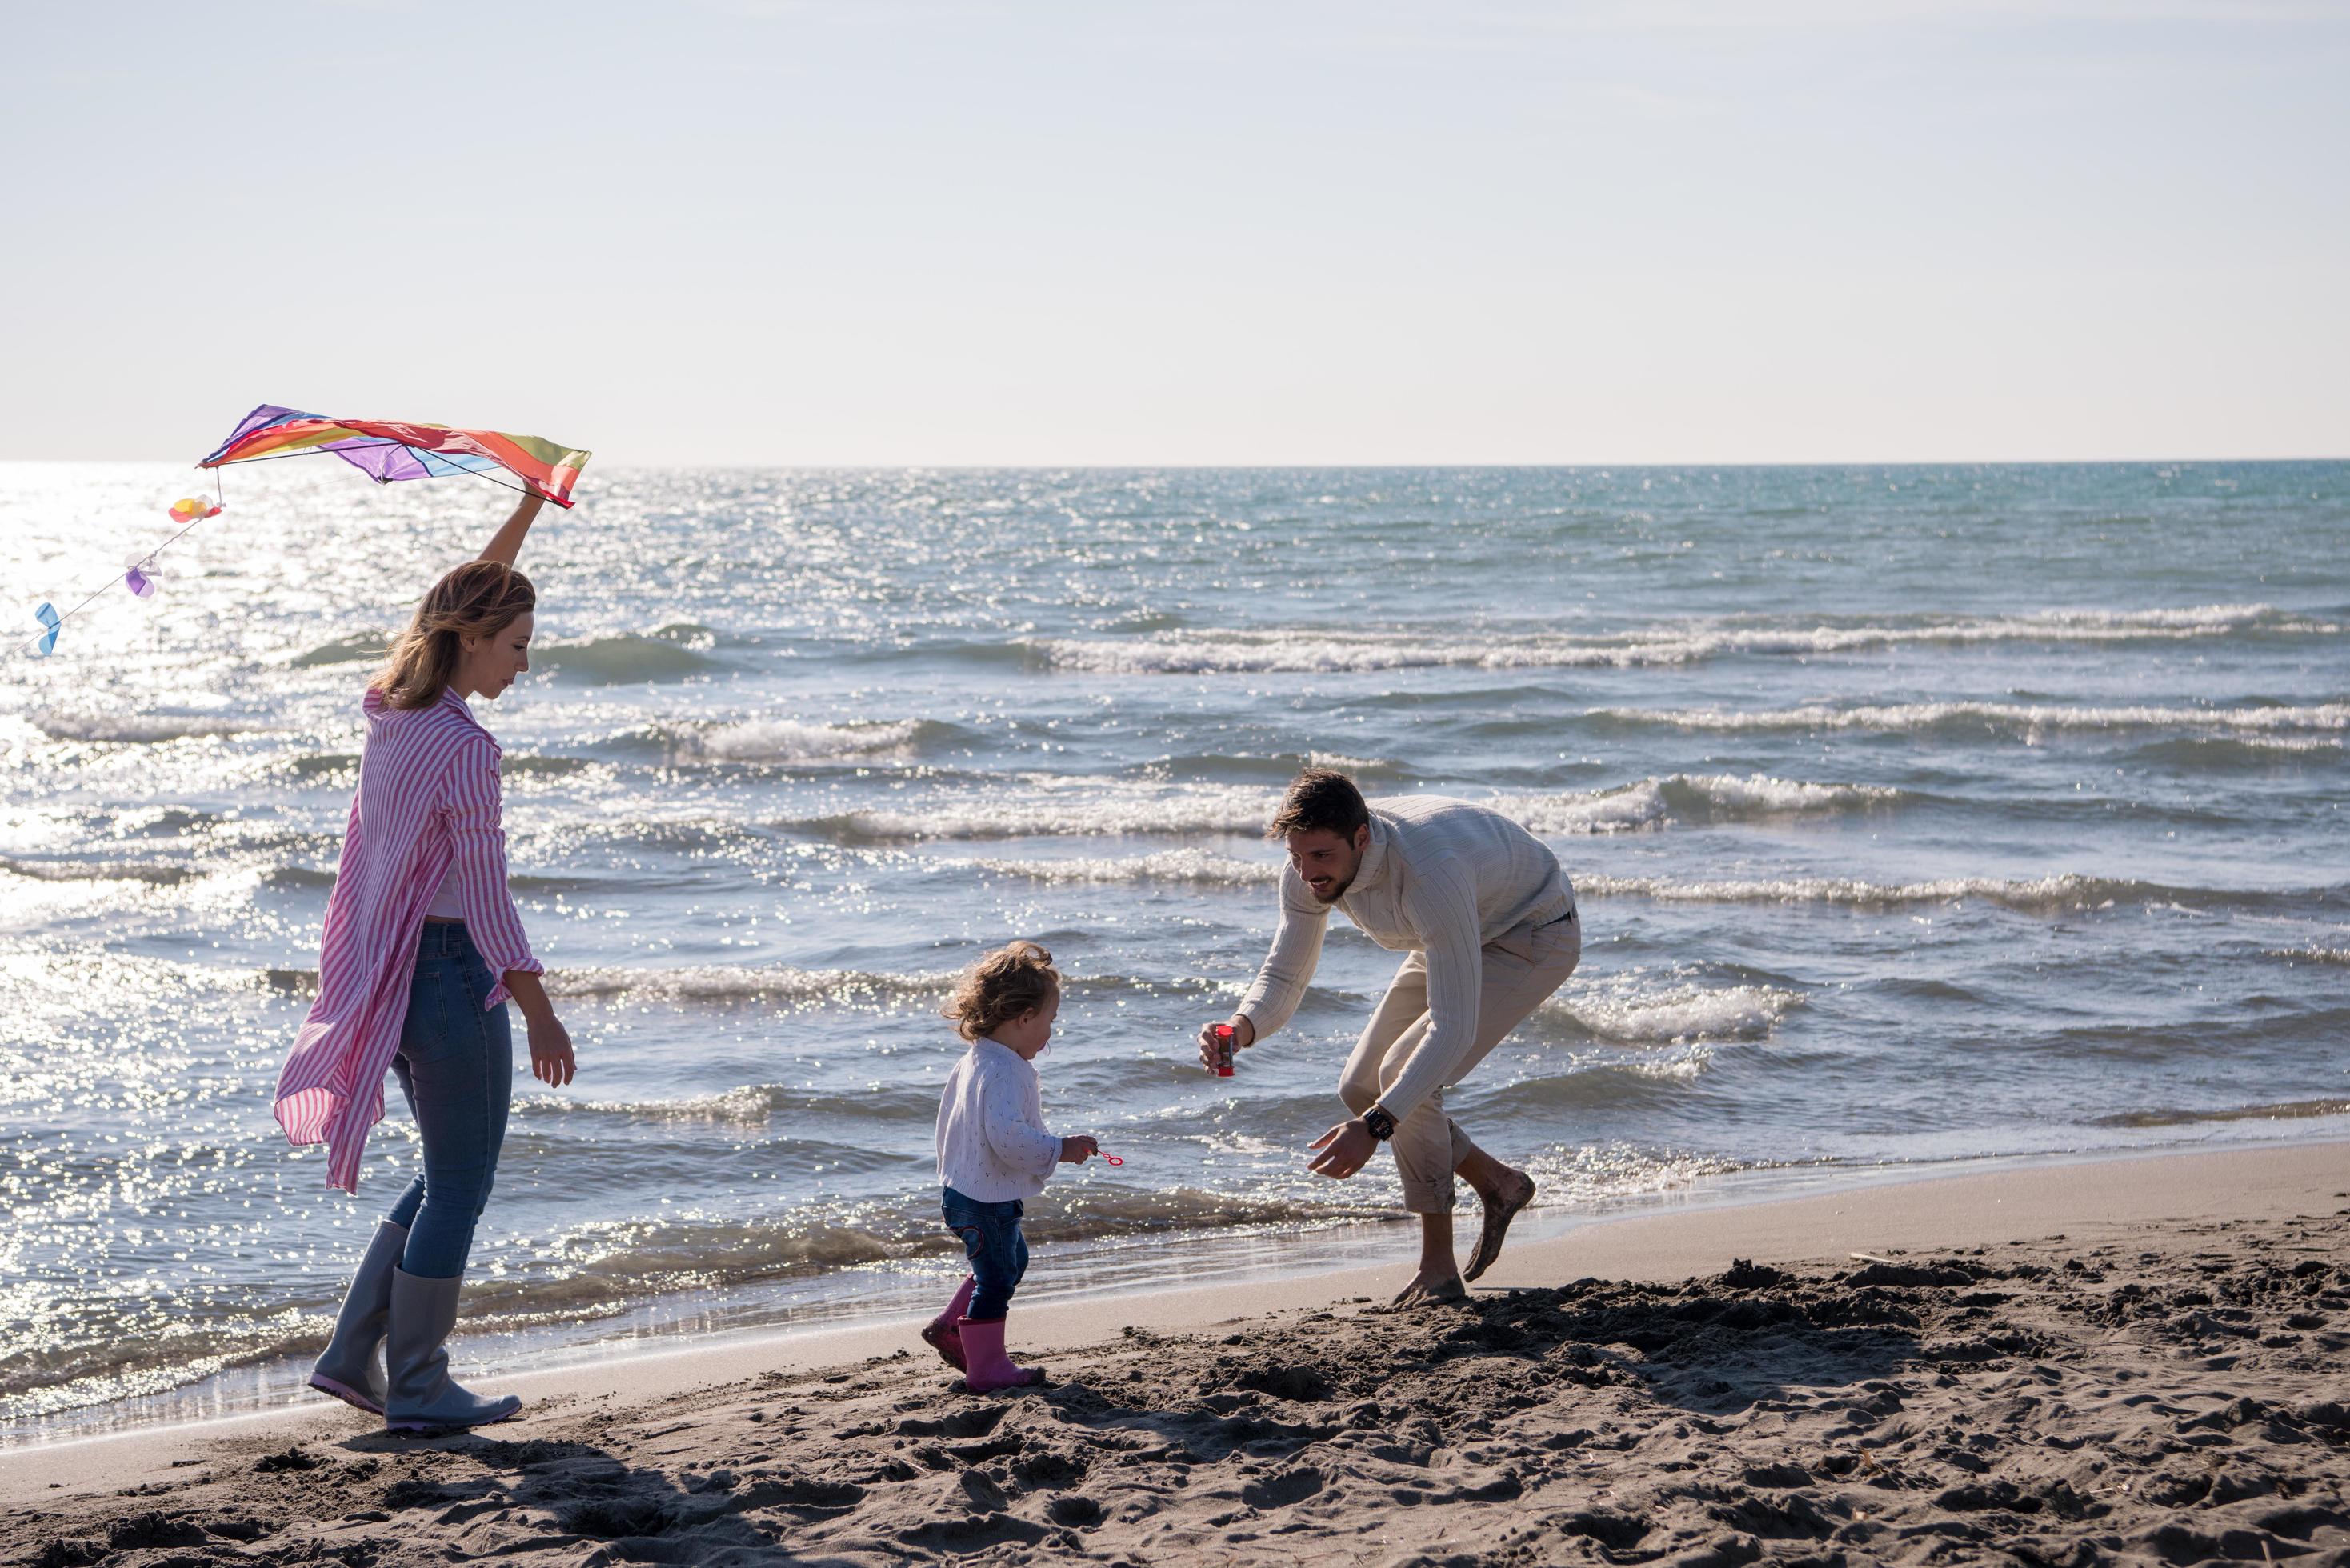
(2081, 1200)
(748, 1317)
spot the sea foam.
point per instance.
(795, 740)
(1676, 1013)
(1107, 807)
(1352, 649)
(2002, 716)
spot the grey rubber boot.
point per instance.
(423, 1396)
(350, 1368)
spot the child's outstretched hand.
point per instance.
(1077, 1150)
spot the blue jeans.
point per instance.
(456, 1067)
(992, 1241)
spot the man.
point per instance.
(1488, 920)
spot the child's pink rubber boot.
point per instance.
(986, 1367)
(943, 1333)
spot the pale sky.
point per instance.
(867, 232)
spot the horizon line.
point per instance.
(1382, 466)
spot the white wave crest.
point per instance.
(1762, 792)
(2290, 746)
(1353, 651)
(1190, 865)
(792, 741)
(1654, 802)
(140, 729)
(1064, 807)
(1620, 1170)
(1680, 1014)
(1628, 809)
(751, 1105)
(2006, 715)
(1077, 808)
(717, 982)
(2044, 893)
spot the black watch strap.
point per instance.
(1381, 1125)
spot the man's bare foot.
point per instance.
(1500, 1209)
(1426, 1289)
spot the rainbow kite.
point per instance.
(383, 450)
(389, 450)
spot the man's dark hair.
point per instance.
(1320, 799)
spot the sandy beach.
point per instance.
(2133, 1361)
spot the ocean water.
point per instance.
(1919, 814)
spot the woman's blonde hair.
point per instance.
(480, 598)
(1002, 986)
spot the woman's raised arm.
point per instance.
(506, 544)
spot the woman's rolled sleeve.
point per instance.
(477, 828)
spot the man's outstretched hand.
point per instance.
(1243, 1036)
(1345, 1149)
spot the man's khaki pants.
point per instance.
(1522, 968)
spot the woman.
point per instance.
(422, 948)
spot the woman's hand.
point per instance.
(1243, 1036)
(550, 1043)
(550, 1052)
(1078, 1149)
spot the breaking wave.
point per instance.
(351, 649)
(793, 741)
(702, 982)
(140, 729)
(672, 653)
(155, 873)
(1078, 807)
(2292, 1110)
(1198, 866)
(1602, 1172)
(604, 1267)
(1690, 798)
(2035, 896)
(1338, 651)
(715, 982)
(1677, 1014)
(2003, 717)
(752, 1105)
(2310, 954)
(1101, 807)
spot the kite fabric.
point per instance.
(389, 450)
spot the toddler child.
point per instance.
(993, 1153)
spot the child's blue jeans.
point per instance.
(998, 1252)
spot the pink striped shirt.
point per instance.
(428, 801)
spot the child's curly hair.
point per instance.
(1002, 986)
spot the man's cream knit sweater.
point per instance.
(1442, 877)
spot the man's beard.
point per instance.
(1339, 892)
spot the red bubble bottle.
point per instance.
(1225, 1041)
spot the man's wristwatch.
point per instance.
(1381, 1125)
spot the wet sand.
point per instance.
(2134, 1361)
